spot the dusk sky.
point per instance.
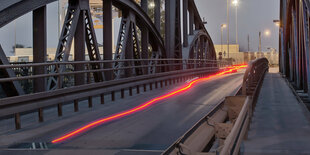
(253, 16)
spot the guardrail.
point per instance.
(252, 82)
(253, 74)
(24, 71)
(238, 109)
(13, 106)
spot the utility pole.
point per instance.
(248, 43)
(222, 27)
(221, 39)
(228, 28)
(260, 44)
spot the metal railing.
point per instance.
(253, 74)
(200, 136)
(24, 71)
(13, 106)
(252, 82)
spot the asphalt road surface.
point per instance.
(150, 131)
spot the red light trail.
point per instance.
(145, 105)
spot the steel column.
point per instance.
(10, 88)
(39, 47)
(157, 14)
(191, 21)
(107, 36)
(79, 49)
(306, 47)
(185, 28)
(170, 27)
(145, 38)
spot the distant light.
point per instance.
(152, 5)
(223, 26)
(277, 23)
(235, 2)
(267, 33)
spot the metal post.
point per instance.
(260, 43)
(107, 36)
(157, 14)
(222, 39)
(144, 38)
(79, 49)
(17, 121)
(228, 29)
(191, 21)
(170, 27)
(236, 24)
(102, 98)
(39, 47)
(185, 33)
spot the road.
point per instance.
(150, 131)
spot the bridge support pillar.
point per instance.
(157, 14)
(144, 39)
(173, 30)
(107, 35)
(39, 47)
(185, 31)
(79, 49)
(191, 22)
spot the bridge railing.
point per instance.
(252, 82)
(253, 74)
(237, 109)
(13, 106)
(24, 71)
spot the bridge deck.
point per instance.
(280, 124)
(147, 132)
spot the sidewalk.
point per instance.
(280, 124)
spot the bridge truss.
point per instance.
(143, 54)
(294, 43)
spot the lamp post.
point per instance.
(236, 3)
(222, 27)
(228, 28)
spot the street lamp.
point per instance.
(222, 27)
(152, 5)
(267, 33)
(236, 4)
(228, 28)
(277, 23)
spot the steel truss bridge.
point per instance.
(144, 59)
(142, 54)
(294, 43)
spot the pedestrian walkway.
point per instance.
(280, 124)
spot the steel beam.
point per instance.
(10, 88)
(157, 14)
(39, 47)
(14, 9)
(75, 8)
(185, 28)
(107, 36)
(191, 22)
(145, 38)
(306, 47)
(79, 49)
(170, 27)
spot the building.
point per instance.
(244, 57)
(236, 56)
(26, 54)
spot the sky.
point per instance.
(253, 16)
